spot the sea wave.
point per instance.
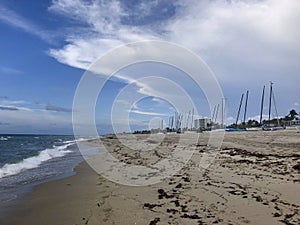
(76, 140)
(34, 161)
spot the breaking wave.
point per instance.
(35, 161)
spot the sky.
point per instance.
(47, 46)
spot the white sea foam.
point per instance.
(3, 139)
(82, 139)
(68, 142)
(34, 161)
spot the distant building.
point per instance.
(202, 123)
(293, 123)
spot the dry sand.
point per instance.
(255, 179)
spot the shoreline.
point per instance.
(21, 183)
(252, 181)
(45, 197)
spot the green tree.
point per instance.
(252, 123)
(292, 115)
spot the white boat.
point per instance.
(254, 129)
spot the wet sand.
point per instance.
(255, 179)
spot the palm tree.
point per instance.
(292, 115)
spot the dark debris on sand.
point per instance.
(155, 221)
(297, 167)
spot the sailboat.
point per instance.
(270, 126)
(236, 128)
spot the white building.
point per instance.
(202, 123)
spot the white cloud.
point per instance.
(237, 38)
(11, 18)
(256, 117)
(104, 32)
(147, 113)
(233, 36)
(9, 70)
(24, 117)
(14, 102)
(230, 120)
(218, 23)
(10, 107)
(81, 52)
(56, 108)
(102, 16)
(242, 38)
(34, 120)
(245, 42)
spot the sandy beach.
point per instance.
(255, 179)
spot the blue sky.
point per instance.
(46, 46)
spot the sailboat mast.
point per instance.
(278, 123)
(217, 112)
(270, 100)
(213, 115)
(246, 104)
(192, 119)
(238, 115)
(188, 120)
(222, 114)
(176, 120)
(262, 105)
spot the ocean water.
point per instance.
(28, 160)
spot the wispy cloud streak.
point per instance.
(57, 108)
(147, 113)
(13, 19)
(9, 108)
(9, 70)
